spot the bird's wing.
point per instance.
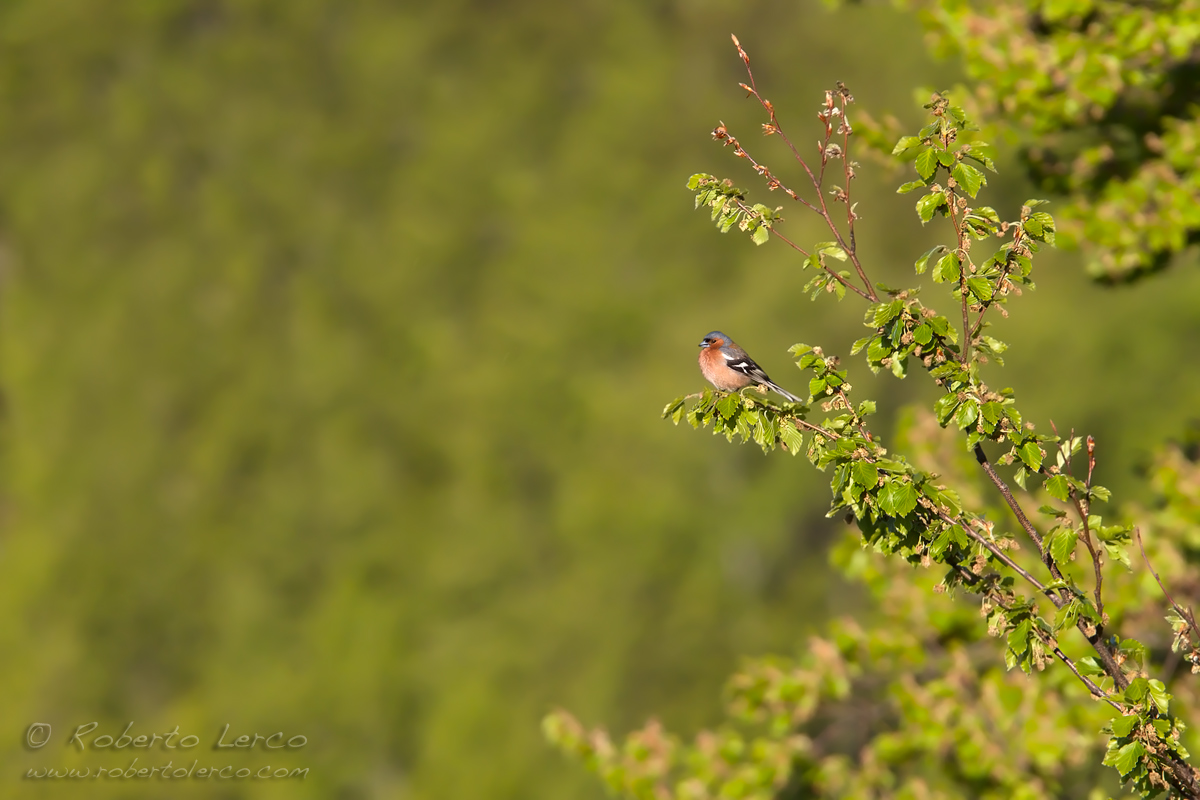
(746, 366)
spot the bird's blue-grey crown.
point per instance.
(713, 336)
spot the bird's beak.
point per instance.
(704, 344)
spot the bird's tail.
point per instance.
(780, 390)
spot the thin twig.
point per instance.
(1003, 558)
(1185, 614)
(1096, 691)
(999, 483)
(824, 209)
(963, 260)
(1087, 540)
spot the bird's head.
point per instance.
(715, 339)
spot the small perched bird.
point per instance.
(729, 367)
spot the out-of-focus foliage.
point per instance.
(333, 340)
(1102, 96)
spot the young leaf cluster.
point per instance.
(729, 207)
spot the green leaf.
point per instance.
(816, 386)
(905, 143)
(926, 163)
(929, 204)
(886, 312)
(1123, 726)
(1137, 690)
(761, 234)
(1160, 696)
(1031, 455)
(865, 474)
(1126, 758)
(830, 249)
(791, 437)
(1018, 637)
(992, 411)
(1058, 488)
(948, 269)
(1062, 544)
(903, 498)
(921, 263)
(1040, 226)
(728, 405)
(966, 414)
(910, 186)
(945, 406)
(969, 178)
(981, 288)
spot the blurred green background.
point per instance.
(335, 337)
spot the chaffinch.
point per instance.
(729, 368)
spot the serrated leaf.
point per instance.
(729, 405)
(1160, 696)
(1058, 488)
(886, 312)
(992, 411)
(1123, 726)
(791, 437)
(905, 143)
(1020, 476)
(830, 249)
(761, 234)
(1031, 455)
(1062, 544)
(903, 498)
(948, 269)
(966, 414)
(969, 178)
(1040, 226)
(981, 288)
(945, 406)
(865, 474)
(1125, 759)
(910, 186)
(926, 163)
(1018, 637)
(921, 263)
(928, 205)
